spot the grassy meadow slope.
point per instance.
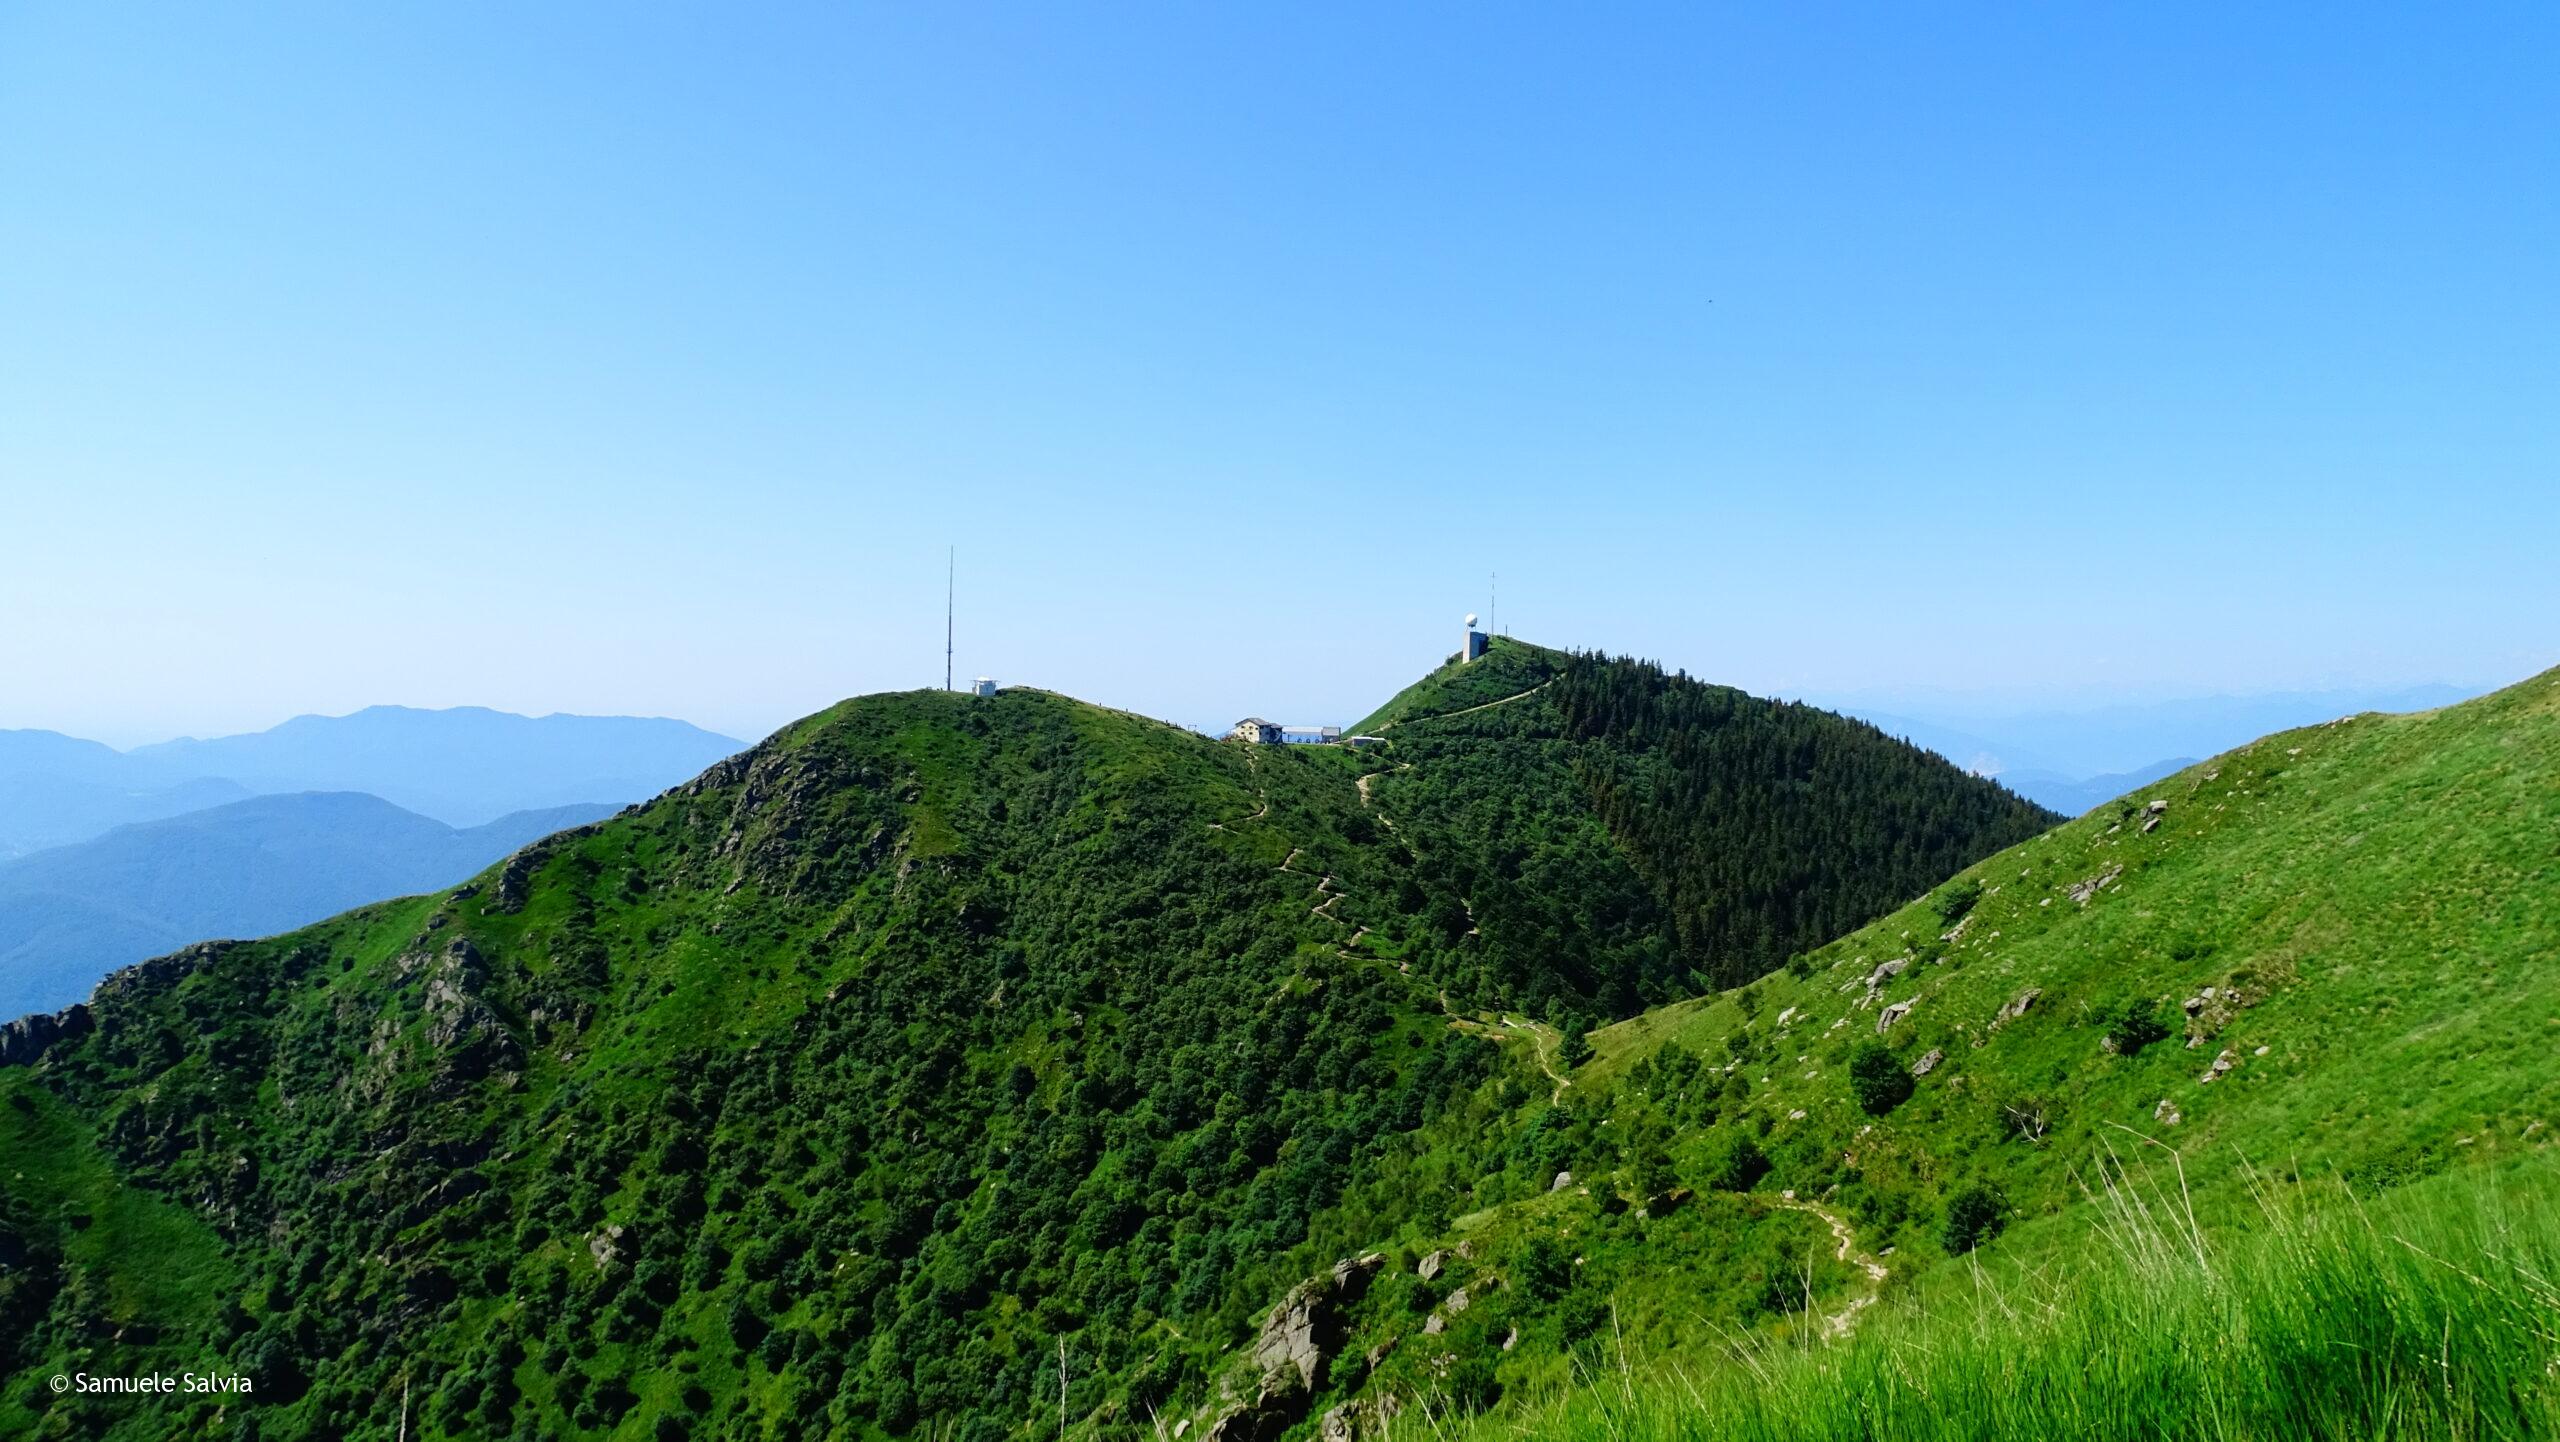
(2265, 1152)
(842, 1088)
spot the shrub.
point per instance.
(1654, 1175)
(1878, 1079)
(1739, 1167)
(1546, 1269)
(1973, 1218)
(2137, 1025)
(1956, 899)
(1472, 1387)
(1576, 1048)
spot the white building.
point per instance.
(1310, 735)
(1255, 730)
(983, 686)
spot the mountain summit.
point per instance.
(853, 1083)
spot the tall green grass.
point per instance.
(2434, 1314)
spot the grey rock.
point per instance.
(1292, 1336)
(25, 1041)
(1896, 1012)
(2221, 1067)
(1887, 971)
(1929, 1062)
(1562, 1181)
(1431, 1265)
(2081, 891)
(1351, 1275)
(2018, 1007)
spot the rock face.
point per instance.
(1928, 1063)
(463, 1033)
(1293, 1349)
(24, 1041)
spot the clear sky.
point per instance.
(639, 358)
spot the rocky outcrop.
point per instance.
(25, 1041)
(2151, 815)
(2081, 891)
(1896, 1012)
(2221, 1067)
(2018, 1007)
(1887, 971)
(606, 1246)
(1929, 1062)
(1293, 1350)
(464, 1034)
(1562, 1181)
(1431, 1265)
(515, 875)
(1274, 1410)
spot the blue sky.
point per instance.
(644, 358)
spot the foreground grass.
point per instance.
(2434, 1314)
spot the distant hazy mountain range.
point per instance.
(462, 767)
(110, 857)
(2071, 760)
(252, 868)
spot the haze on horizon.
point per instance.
(635, 362)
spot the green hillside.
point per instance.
(934, 1056)
(2112, 1129)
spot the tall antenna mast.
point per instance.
(950, 575)
(1493, 606)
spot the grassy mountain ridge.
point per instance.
(2165, 1068)
(840, 1088)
